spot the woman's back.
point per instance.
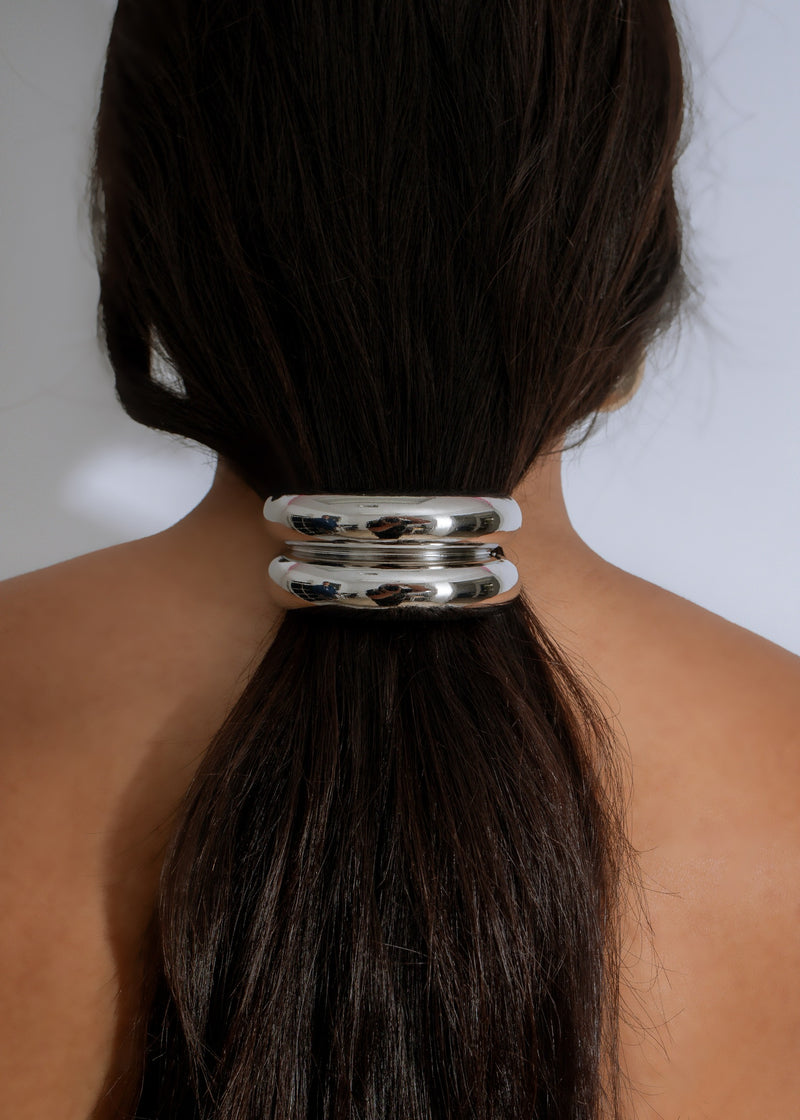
(385, 250)
(118, 667)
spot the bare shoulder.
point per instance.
(111, 686)
(115, 633)
(115, 672)
(711, 714)
(63, 628)
(64, 777)
(679, 673)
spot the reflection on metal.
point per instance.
(373, 551)
(377, 517)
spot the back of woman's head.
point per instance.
(389, 248)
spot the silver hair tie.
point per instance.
(365, 550)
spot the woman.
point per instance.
(535, 857)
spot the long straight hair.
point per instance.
(388, 248)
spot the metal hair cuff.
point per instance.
(366, 551)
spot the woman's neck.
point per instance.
(225, 540)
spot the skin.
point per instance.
(116, 668)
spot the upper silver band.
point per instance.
(379, 517)
(382, 551)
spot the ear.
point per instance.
(625, 389)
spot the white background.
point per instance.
(695, 485)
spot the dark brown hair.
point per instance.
(390, 248)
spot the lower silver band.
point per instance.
(493, 581)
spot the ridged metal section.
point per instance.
(359, 554)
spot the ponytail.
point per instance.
(389, 248)
(394, 889)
